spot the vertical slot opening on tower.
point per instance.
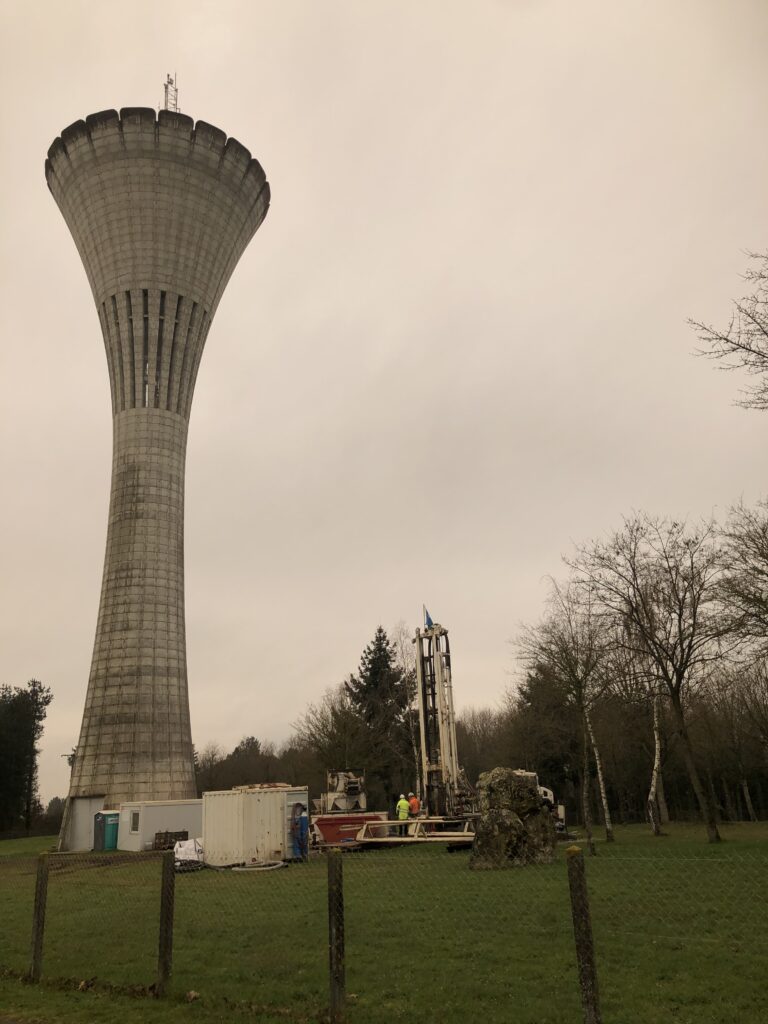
(159, 363)
(172, 360)
(132, 347)
(119, 342)
(145, 348)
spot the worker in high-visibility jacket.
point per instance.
(402, 810)
(414, 805)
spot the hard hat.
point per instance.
(410, 794)
(402, 796)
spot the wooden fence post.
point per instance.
(165, 946)
(38, 917)
(582, 933)
(336, 935)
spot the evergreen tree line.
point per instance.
(22, 713)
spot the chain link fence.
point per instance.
(17, 895)
(410, 933)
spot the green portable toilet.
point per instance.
(110, 829)
(105, 830)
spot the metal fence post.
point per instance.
(582, 933)
(165, 946)
(38, 917)
(336, 935)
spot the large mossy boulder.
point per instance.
(515, 826)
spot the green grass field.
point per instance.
(681, 933)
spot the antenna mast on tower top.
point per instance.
(171, 94)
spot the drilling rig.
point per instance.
(445, 789)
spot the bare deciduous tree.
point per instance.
(743, 343)
(570, 643)
(663, 578)
(745, 581)
(754, 695)
(633, 678)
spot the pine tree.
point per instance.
(379, 697)
(378, 691)
(22, 713)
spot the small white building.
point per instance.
(252, 823)
(141, 820)
(80, 815)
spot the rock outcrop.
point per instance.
(515, 827)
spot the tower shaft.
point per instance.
(161, 210)
(135, 741)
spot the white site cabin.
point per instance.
(141, 820)
(251, 823)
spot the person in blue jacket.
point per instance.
(300, 831)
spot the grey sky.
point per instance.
(457, 344)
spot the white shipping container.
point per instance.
(241, 826)
(140, 820)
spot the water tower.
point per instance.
(161, 209)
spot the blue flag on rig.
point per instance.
(427, 618)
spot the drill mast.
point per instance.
(446, 791)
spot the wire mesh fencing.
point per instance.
(454, 941)
(412, 932)
(101, 918)
(17, 896)
(681, 933)
(254, 935)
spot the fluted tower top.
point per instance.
(149, 197)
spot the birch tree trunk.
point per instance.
(748, 800)
(585, 809)
(609, 837)
(653, 804)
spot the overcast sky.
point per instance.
(457, 344)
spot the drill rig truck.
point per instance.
(446, 790)
(448, 801)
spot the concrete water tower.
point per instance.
(161, 209)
